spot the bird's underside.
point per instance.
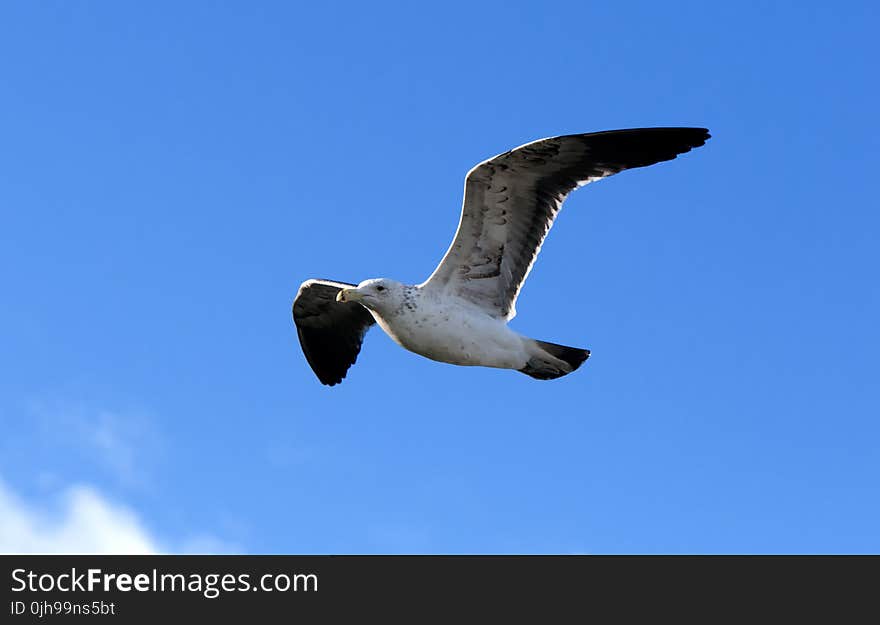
(460, 313)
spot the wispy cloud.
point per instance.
(114, 439)
(83, 520)
(87, 522)
(123, 443)
(75, 454)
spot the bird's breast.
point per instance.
(455, 335)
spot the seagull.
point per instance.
(459, 315)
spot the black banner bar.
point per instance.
(131, 589)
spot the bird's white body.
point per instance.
(448, 329)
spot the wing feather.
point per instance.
(511, 201)
(330, 332)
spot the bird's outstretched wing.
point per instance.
(511, 200)
(330, 332)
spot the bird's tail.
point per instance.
(549, 361)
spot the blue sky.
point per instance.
(171, 172)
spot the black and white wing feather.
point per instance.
(511, 200)
(330, 332)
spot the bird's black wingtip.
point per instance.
(695, 137)
(703, 135)
(686, 138)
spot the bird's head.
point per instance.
(379, 294)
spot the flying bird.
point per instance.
(459, 314)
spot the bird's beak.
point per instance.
(348, 295)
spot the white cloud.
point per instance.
(87, 523)
(84, 521)
(123, 448)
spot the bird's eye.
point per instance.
(380, 288)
